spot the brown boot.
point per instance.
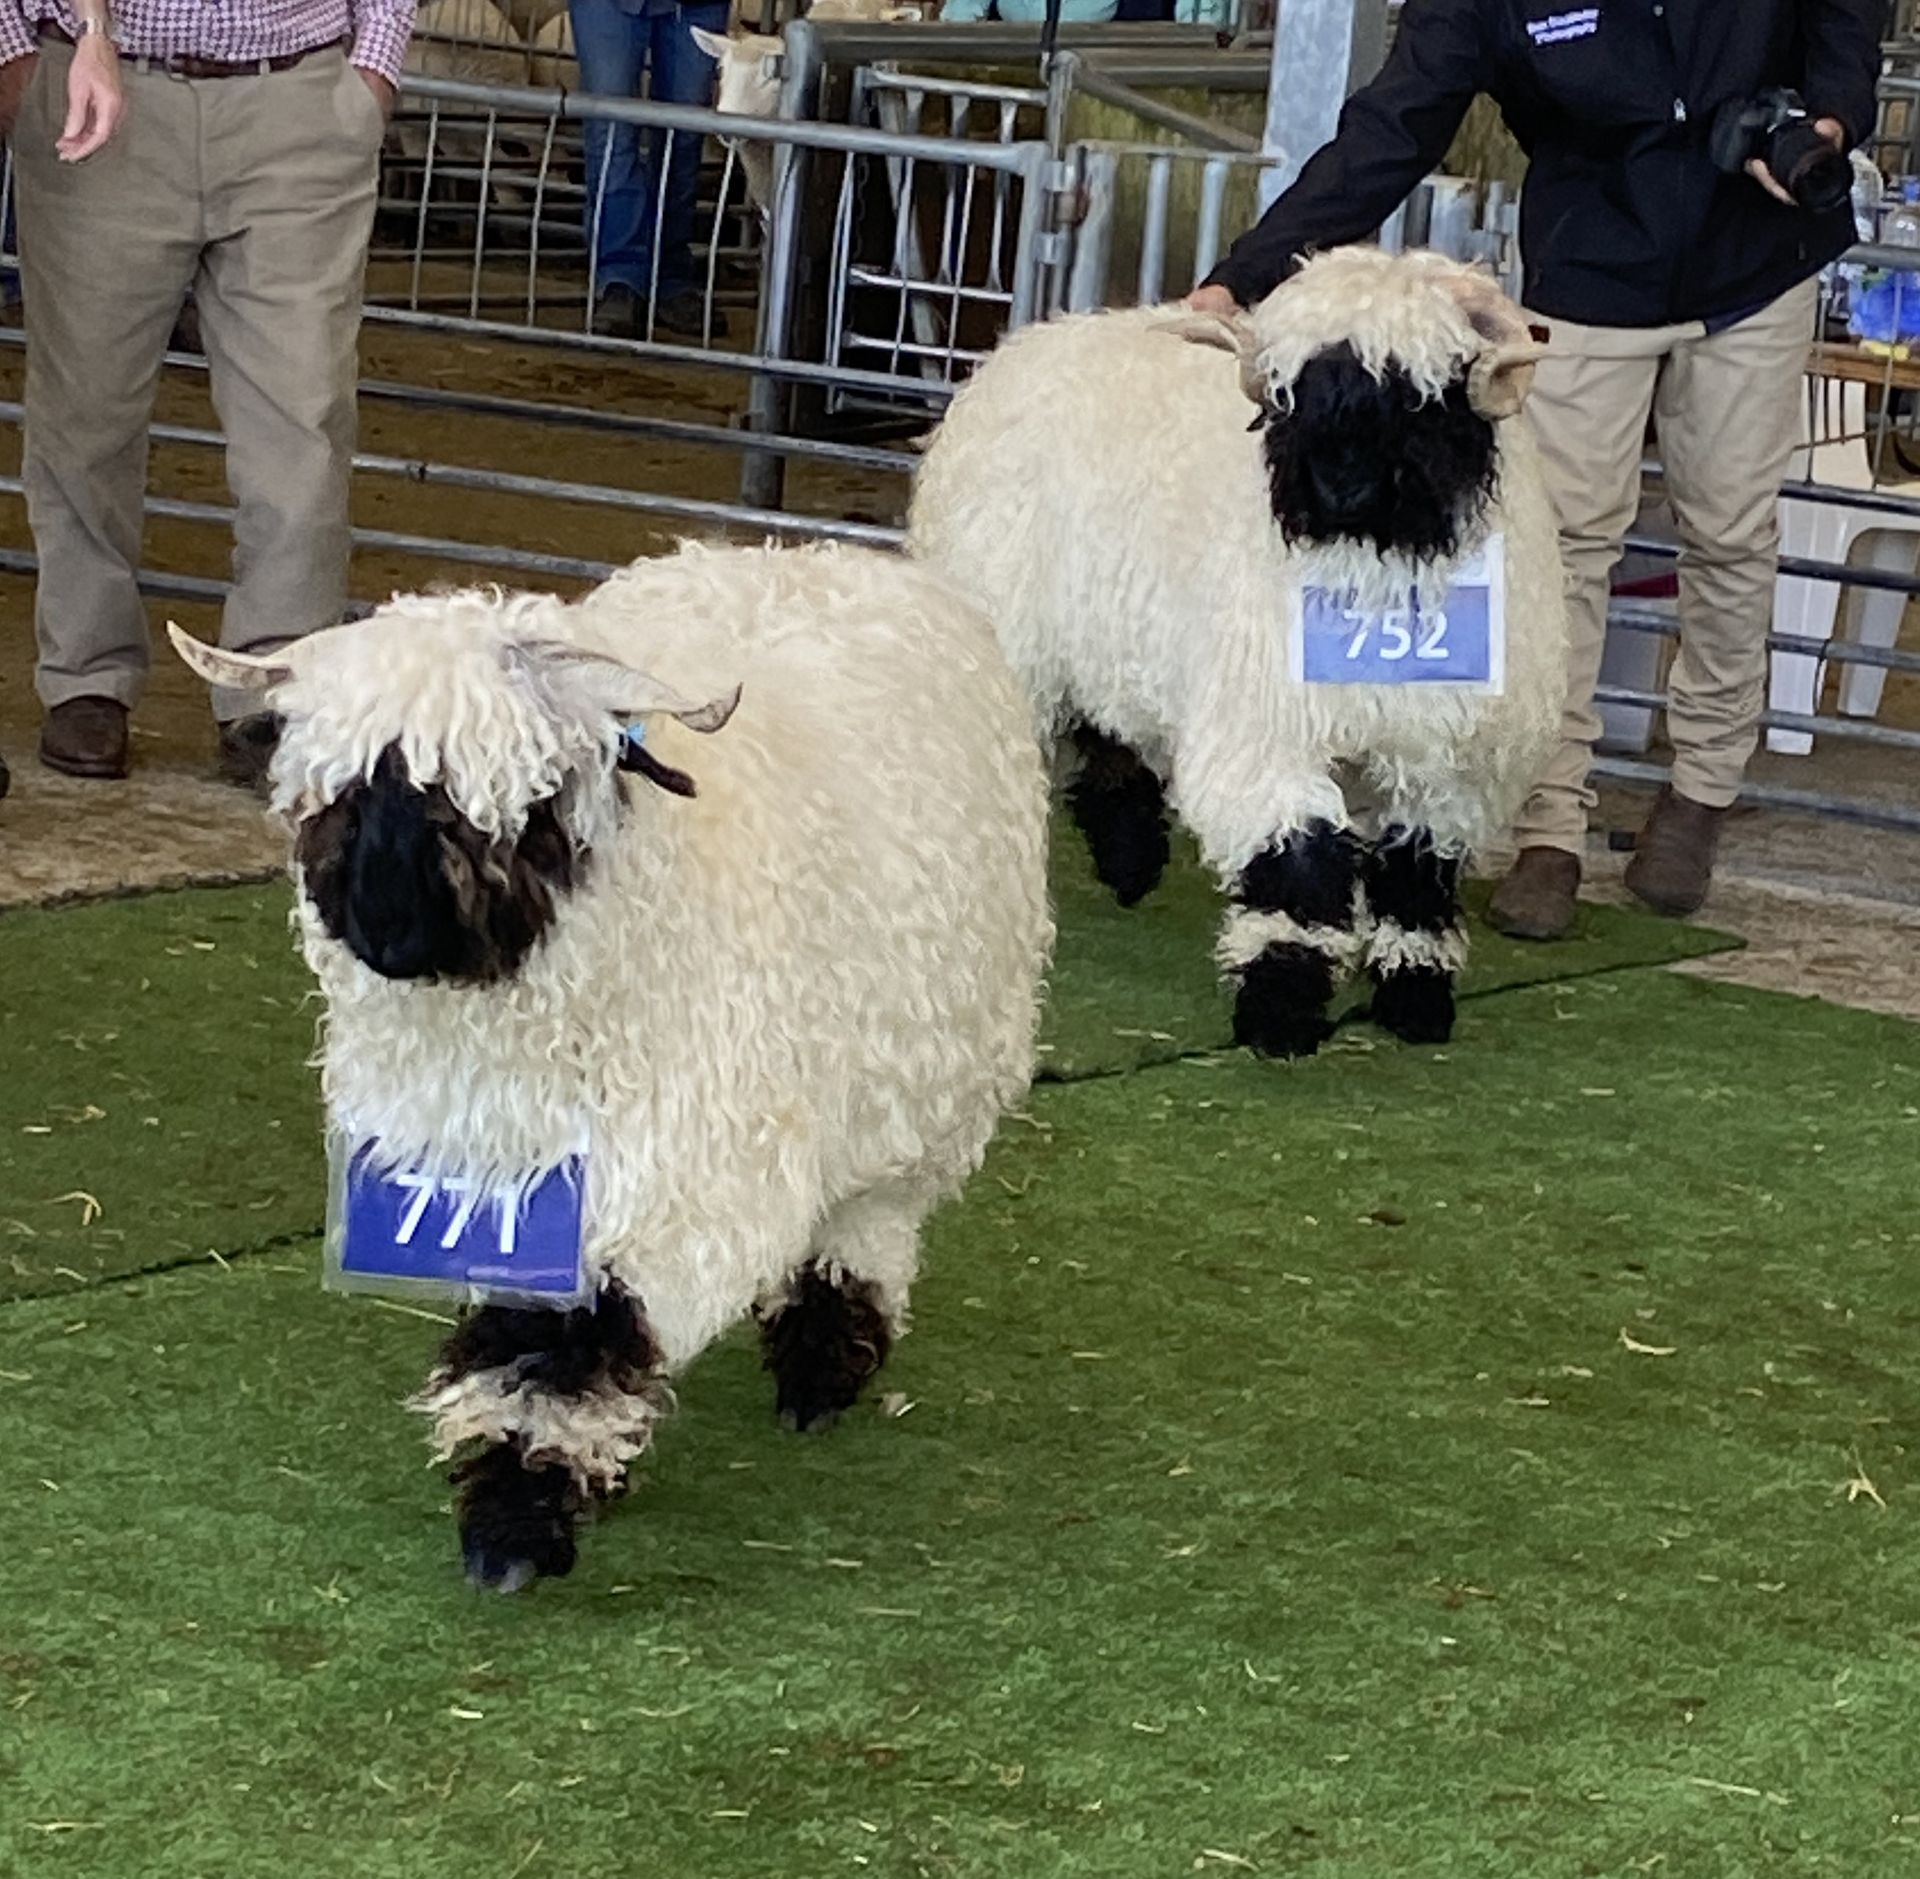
(1673, 859)
(86, 737)
(246, 750)
(1536, 900)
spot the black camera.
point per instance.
(1777, 128)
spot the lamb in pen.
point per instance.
(774, 982)
(1154, 564)
(748, 80)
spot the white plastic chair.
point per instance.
(1835, 452)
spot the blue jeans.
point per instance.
(616, 48)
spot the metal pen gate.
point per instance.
(891, 251)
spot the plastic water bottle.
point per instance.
(1846, 280)
(1869, 193)
(1885, 304)
(1902, 230)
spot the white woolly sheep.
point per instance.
(1098, 490)
(785, 1007)
(748, 84)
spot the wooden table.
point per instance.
(1844, 359)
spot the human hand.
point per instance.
(1830, 128)
(95, 102)
(382, 89)
(1213, 299)
(15, 76)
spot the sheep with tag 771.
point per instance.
(1332, 640)
(748, 1000)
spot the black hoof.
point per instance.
(798, 1421)
(1415, 1005)
(1281, 1007)
(822, 1346)
(1278, 1033)
(1128, 859)
(1121, 809)
(517, 1522)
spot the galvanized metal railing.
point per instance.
(893, 249)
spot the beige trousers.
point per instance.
(1726, 410)
(257, 194)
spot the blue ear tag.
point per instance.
(405, 1232)
(634, 733)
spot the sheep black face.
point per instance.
(414, 890)
(400, 867)
(1369, 459)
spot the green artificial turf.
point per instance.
(155, 1105)
(1133, 986)
(1407, 1462)
(155, 1100)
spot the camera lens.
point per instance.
(1811, 170)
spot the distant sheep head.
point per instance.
(748, 84)
(449, 766)
(1379, 380)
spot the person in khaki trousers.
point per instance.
(244, 172)
(1725, 410)
(1674, 287)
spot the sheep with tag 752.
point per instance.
(1332, 639)
(737, 1007)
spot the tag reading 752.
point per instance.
(1462, 641)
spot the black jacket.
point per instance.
(1624, 221)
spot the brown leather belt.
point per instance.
(186, 65)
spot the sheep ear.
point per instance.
(716, 46)
(1500, 379)
(233, 671)
(629, 694)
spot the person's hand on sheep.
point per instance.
(95, 101)
(1213, 299)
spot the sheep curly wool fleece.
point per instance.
(1095, 488)
(785, 1014)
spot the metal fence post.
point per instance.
(763, 473)
(1323, 50)
(1093, 238)
(1033, 250)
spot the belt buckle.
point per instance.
(177, 64)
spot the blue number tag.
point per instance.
(393, 1230)
(1463, 641)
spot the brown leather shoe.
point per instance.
(246, 750)
(1537, 899)
(1672, 863)
(86, 737)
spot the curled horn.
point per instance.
(1501, 376)
(232, 671)
(629, 693)
(1226, 333)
